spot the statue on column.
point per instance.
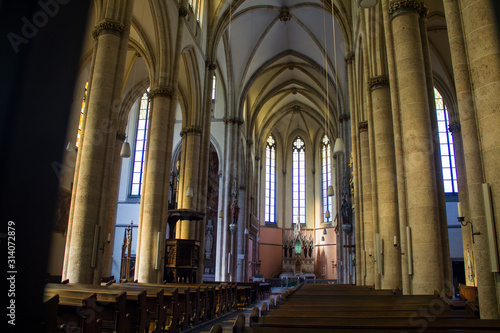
(234, 205)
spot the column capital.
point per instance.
(349, 58)
(183, 11)
(191, 130)
(210, 65)
(107, 26)
(236, 121)
(344, 117)
(363, 126)
(455, 127)
(377, 82)
(402, 6)
(160, 91)
(121, 136)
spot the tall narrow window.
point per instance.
(140, 146)
(326, 169)
(84, 100)
(270, 206)
(198, 11)
(214, 86)
(196, 8)
(446, 145)
(299, 181)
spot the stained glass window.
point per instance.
(270, 206)
(299, 181)
(326, 168)
(446, 145)
(140, 146)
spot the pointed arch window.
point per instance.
(446, 145)
(270, 205)
(84, 100)
(299, 180)
(140, 146)
(326, 179)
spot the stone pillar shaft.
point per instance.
(422, 207)
(89, 214)
(467, 244)
(397, 145)
(474, 48)
(367, 203)
(154, 203)
(113, 198)
(441, 199)
(386, 181)
(190, 166)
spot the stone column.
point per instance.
(441, 198)
(89, 214)
(190, 166)
(113, 198)
(366, 199)
(422, 206)
(154, 201)
(386, 181)
(479, 55)
(204, 158)
(467, 244)
(397, 146)
(361, 252)
(229, 223)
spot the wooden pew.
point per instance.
(326, 309)
(254, 291)
(174, 310)
(49, 323)
(110, 306)
(206, 301)
(135, 308)
(77, 313)
(162, 305)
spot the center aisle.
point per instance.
(227, 320)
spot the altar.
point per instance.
(298, 255)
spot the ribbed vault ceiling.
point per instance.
(282, 65)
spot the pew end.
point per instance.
(239, 324)
(254, 316)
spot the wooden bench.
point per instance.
(110, 306)
(177, 309)
(131, 306)
(325, 308)
(49, 308)
(206, 302)
(162, 305)
(77, 312)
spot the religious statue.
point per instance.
(235, 211)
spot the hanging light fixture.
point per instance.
(125, 152)
(327, 214)
(189, 192)
(367, 3)
(339, 147)
(330, 191)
